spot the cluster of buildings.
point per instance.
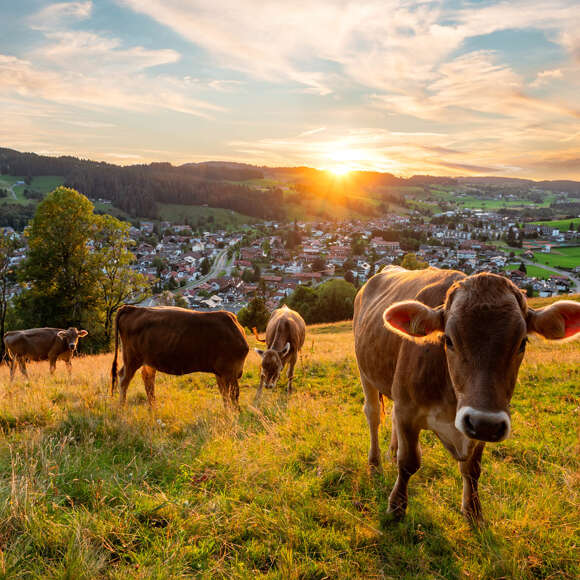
(259, 259)
(225, 270)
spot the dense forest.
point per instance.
(138, 188)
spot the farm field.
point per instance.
(562, 225)
(196, 214)
(533, 271)
(477, 203)
(43, 183)
(88, 491)
(560, 257)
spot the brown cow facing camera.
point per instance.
(38, 344)
(446, 348)
(285, 334)
(177, 341)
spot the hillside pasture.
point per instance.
(562, 225)
(560, 257)
(202, 216)
(43, 184)
(532, 271)
(91, 491)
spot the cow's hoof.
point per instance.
(396, 513)
(375, 467)
(474, 517)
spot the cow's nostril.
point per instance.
(469, 426)
(501, 431)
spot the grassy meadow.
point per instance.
(198, 215)
(89, 491)
(560, 257)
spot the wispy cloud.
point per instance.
(60, 14)
(138, 93)
(543, 77)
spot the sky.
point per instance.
(430, 87)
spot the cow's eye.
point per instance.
(448, 342)
(523, 345)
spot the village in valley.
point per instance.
(210, 265)
(226, 269)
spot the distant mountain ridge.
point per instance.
(137, 189)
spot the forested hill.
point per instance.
(138, 188)
(247, 189)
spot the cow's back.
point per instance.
(285, 325)
(178, 341)
(377, 349)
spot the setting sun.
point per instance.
(340, 170)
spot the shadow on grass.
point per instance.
(419, 546)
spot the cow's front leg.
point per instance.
(234, 391)
(470, 471)
(22, 365)
(372, 411)
(258, 396)
(52, 363)
(408, 462)
(290, 372)
(394, 445)
(12, 368)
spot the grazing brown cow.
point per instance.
(446, 348)
(41, 344)
(285, 334)
(177, 342)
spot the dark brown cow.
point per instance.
(38, 344)
(448, 358)
(285, 334)
(177, 342)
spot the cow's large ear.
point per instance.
(82, 333)
(413, 319)
(260, 352)
(557, 321)
(285, 350)
(61, 334)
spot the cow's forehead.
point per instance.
(485, 312)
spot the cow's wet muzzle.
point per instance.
(483, 425)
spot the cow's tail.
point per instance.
(114, 365)
(255, 331)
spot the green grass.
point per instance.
(532, 271)
(492, 204)
(43, 184)
(197, 214)
(87, 491)
(562, 225)
(560, 257)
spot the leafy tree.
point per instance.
(522, 268)
(8, 245)
(331, 301)
(318, 264)
(59, 270)
(411, 262)
(304, 300)
(77, 271)
(118, 284)
(254, 314)
(205, 267)
(335, 301)
(357, 245)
